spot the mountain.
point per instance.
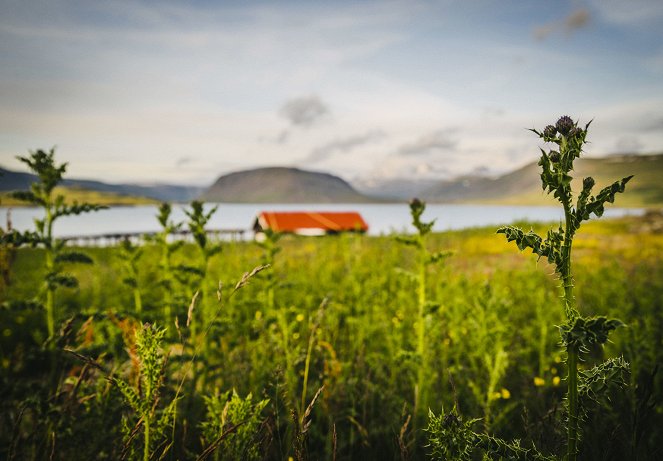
(523, 186)
(282, 185)
(13, 180)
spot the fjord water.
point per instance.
(381, 218)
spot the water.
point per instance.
(381, 218)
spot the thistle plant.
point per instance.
(579, 333)
(130, 255)
(144, 398)
(171, 274)
(425, 258)
(198, 219)
(270, 246)
(41, 194)
(232, 429)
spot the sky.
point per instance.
(182, 92)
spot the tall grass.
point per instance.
(315, 354)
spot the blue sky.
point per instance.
(182, 92)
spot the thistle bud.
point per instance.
(549, 132)
(575, 131)
(554, 156)
(415, 203)
(588, 183)
(564, 125)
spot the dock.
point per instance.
(111, 239)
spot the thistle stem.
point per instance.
(572, 352)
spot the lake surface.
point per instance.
(381, 218)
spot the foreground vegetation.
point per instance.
(344, 347)
(344, 319)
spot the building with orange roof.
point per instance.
(309, 222)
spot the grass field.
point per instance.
(75, 194)
(334, 313)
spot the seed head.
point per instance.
(549, 132)
(554, 156)
(564, 125)
(588, 183)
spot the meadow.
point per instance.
(316, 356)
(448, 346)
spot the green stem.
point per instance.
(146, 448)
(50, 269)
(138, 303)
(572, 352)
(572, 363)
(419, 392)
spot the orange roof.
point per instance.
(293, 221)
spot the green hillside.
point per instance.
(523, 187)
(77, 194)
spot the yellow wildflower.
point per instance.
(556, 380)
(505, 393)
(300, 317)
(538, 382)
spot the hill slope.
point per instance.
(282, 185)
(13, 180)
(523, 186)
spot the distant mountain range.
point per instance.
(523, 186)
(13, 180)
(292, 185)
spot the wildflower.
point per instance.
(588, 183)
(300, 317)
(505, 393)
(564, 125)
(295, 336)
(538, 382)
(556, 380)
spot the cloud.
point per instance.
(577, 20)
(305, 111)
(437, 141)
(183, 161)
(343, 145)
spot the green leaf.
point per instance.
(17, 238)
(26, 196)
(581, 333)
(73, 257)
(595, 205)
(67, 281)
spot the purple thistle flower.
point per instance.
(564, 125)
(549, 132)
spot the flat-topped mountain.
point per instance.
(282, 185)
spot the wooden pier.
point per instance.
(138, 237)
